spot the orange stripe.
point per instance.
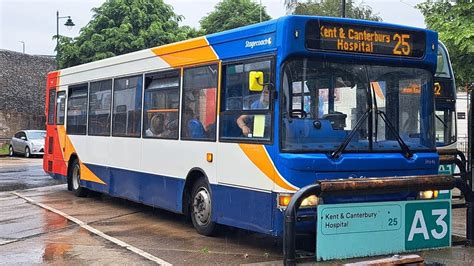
(259, 157)
(162, 110)
(192, 51)
(68, 149)
(88, 175)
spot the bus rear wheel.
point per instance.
(75, 179)
(201, 208)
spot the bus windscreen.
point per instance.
(350, 38)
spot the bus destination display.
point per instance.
(331, 36)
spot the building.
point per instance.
(22, 91)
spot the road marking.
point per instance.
(95, 231)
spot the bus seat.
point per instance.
(196, 129)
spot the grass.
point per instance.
(3, 149)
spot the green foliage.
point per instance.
(123, 26)
(332, 8)
(4, 149)
(230, 14)
(455, 25)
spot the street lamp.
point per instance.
(69, 24)
(23, 43)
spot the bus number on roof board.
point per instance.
(364, 39)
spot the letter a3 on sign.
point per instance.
(427, 224)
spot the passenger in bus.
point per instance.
(156, 126)
(194, 128)
(245, 122)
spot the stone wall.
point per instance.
(22, 91)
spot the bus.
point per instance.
(227, 127)
(445, 101)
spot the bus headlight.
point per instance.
(310, 201)
(428, 194)
(284, 200)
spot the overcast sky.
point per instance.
(34, 21)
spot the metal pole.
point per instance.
(343, 8)
(23, 43)
(260, 10)
(57, 39)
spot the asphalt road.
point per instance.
(46, 224)
(18, 173)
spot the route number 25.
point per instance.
(402, 47)
(418, 225)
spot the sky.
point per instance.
(34, 21)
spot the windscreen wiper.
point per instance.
(406, 151)
(441, 120)
(335, 154)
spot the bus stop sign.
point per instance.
(367, 229)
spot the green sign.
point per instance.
(367, 229)
(427, 224)
(445, 169)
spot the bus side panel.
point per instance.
(150, 189)
(243, 208)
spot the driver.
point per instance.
(245, 121)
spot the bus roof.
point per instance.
(245, 41)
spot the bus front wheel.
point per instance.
(75, 177)
(201, 208)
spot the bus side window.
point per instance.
(127, 105)
(199, 103)
(161, 108)
(52, 97)
(77, 110)
(245, 114)
(60, 107)
(100, 97)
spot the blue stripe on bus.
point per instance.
(237, 207)
(243, 208)
(150, 189)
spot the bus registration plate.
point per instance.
(367, 229)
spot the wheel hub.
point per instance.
(202, 207)
(76, 177)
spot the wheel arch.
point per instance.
(192, 177)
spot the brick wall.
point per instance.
(22, 91)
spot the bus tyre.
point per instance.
(201, 208)
(75, 177)
(27, 152)
(11, 153)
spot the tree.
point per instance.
(230, 14)
(332, 8)
(123, 26)
(455, 25)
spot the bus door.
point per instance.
(445, 101)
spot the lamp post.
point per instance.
(69, 24)
(23, 43)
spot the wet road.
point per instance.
(21, 173)
(50, 225)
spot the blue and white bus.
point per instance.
(227, 127)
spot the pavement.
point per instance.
(46, 224)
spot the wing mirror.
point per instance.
(256, 81)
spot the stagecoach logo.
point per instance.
(252, 44)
